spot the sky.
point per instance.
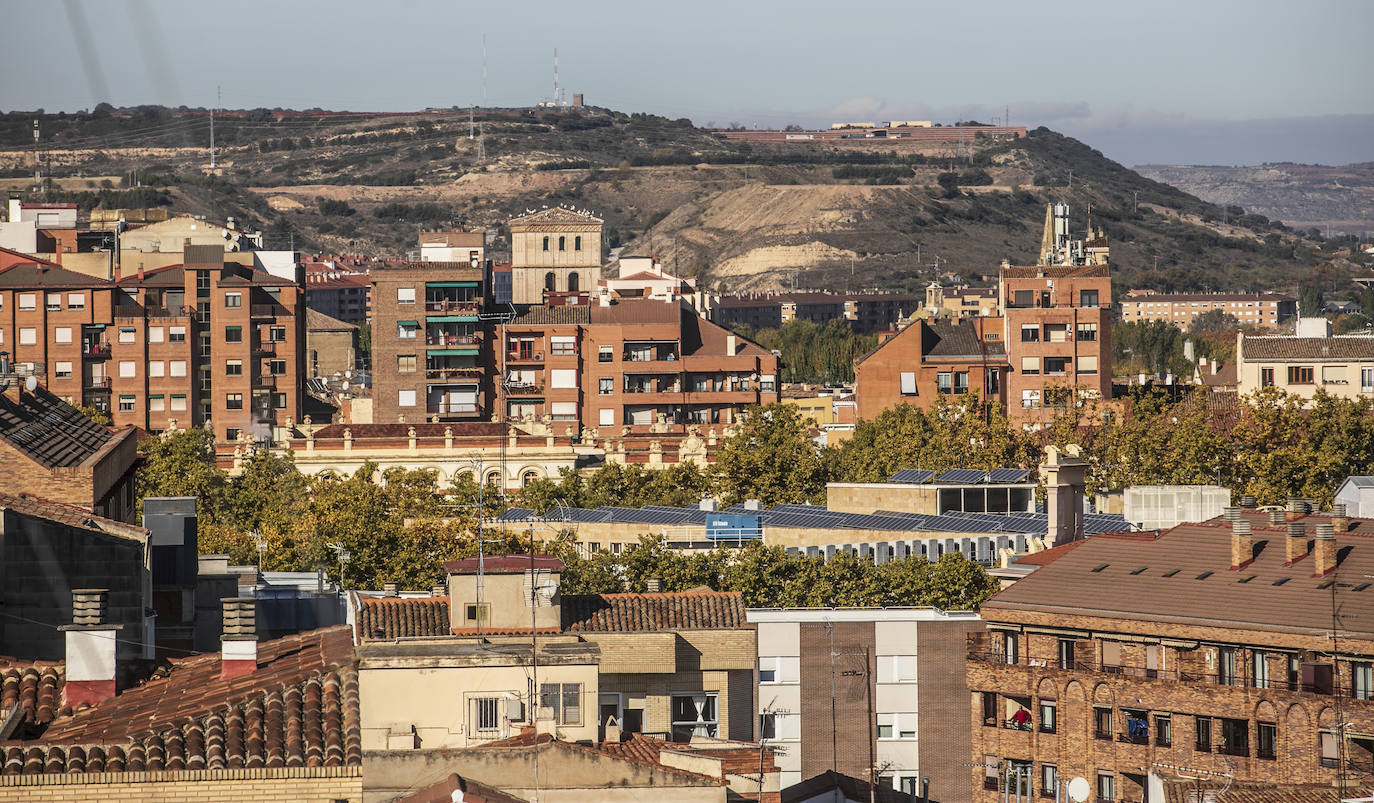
(1172, 82)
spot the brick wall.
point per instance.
(307, 785)
(940, 693)
(853, 733)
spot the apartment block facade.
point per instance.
(1341, 366)
(430, 351)
(898, 715)
(1263, 310)
(206, 343)
(1240, 648)
(638, 362)
(931, 360)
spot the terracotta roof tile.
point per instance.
(71, 515)
(632, 613)
(36, 689)
(1056, 271)
(391, 618)
(1348, 347)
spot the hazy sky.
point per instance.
(1163, 81)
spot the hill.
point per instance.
(1302, 196)
(738, 215)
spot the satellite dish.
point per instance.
(31, 383)
(1078, 790)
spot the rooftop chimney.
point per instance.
(1297, 508)
(1338, 518)
(730, 345)
(654, 585)
(91, 646)
(440, 590)
(1276, 517)
(1295, 545)
(1231, 514)
(1247, 501)
(1324, 550)
(1065, 474)
(239, 644)
(1242, 545)
(391, 590)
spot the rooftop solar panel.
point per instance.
(961, 476)
(912, 475)
(1008, 475)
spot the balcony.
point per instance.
(471, 373)
(524, 356)
(452, 408)
(453, 307)
(269, 311)
(524, 388)
(269, 381)
(96, 383)
(265, 347)
(98, 352)
(140, 311)
(441, 340)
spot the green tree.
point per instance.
(771, 457)
(182, 463)
(1214, 321)
(98, 416)
(964, 433)
(1310, 300)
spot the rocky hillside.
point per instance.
(741, 216)
(1302, 196)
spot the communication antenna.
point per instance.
(37, 165)
(555, 76)
(218, 98)
(484, 70)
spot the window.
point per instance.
(177, 334)
(768, 723)
(405, 295)
(1299, 374)
(405, 398)
(561, 702)
(156, 404)
(943, 383)
(28, 336)
(126, 404)
(1087, 332)
(1164, 730)
(1066, 653)
(1102, 723)
(1030, 333)
(779, 669)
(694, 715)
(992, 379)
(233, 300)
(128, 369)
(156, 334)
(990, 709)
(28, 301)
(1030, 366)
(1266, 736)
(62, 334)
(1056, 366)
(477, 612)
(1260, 667)
(1363, 677)
(767, 383)
(1266, 377)
(1048, 711)
(887, 726)
(1204, 734)
(908, 380)
(276, 367)
(176, 368)
(550, 281)
(1226, 666)
(605, 417)
(605, 385)
(233, 367)
(1049, 780)
(1056, 333)
(1009, 648)
(563, 411)
(562, 346)
(63, 370)
(278, 401)
(546, 243)
(1087, 365)
(960, 382)
(896, 668)
(573, 282)
(1235, 737)
(233, 401)
(1023, 298)
(1106, 786)
(76, 301)
(405, 363)
(276, 334)
(486, 714)
(605, 353)
(407, 330)
(563, 378)
(1087, 298)
(178, 402)
(577, 243)
(1334, 375)
(233, 334)
(562, 243)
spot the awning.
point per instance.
(454, 284)
(455, 352)
(451, 318)
(407, 323)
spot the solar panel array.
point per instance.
(818, 517)
(961, 476)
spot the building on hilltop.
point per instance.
(1240, 647)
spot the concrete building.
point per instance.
(635, 363)
(1357, 494)
(331, 345)
(928, 361)
(1239, 648)
(679, 666)
(453, 246)
(428, 355)
(1003, 490)
(644, 277)
(961, 301)
(1341, 366)
(873, 693)
(555, 256)
(340, 287)
(1162, 507)
(50, 450)
(204, 342)
(1263, 310)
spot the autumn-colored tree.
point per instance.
(966, 432)
(182, 463)
(771, 457)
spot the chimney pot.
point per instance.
(391, 589)
(1242, 544)
(1232, 514)
(239, 644)
(1296, 508)
(1276, 517)
(654, 585)
(1295, 547)
(1338, 518)
(1247, 501)
(439, 591)
(92, 647)
(1324, 550)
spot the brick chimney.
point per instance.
(1324, 550)
(1338, 518)
(1065, 474)
(1276, 518)
(239, 644)
(1231, 514)
(1247, 501)
(1295, 548)
(1297, 508)
(1242, 545)
(91, 648)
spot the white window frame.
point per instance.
(563, 410)
(405, 295)
(28, 302)
(157, 404)
(53, 302)
(896, 668)
(709, 727)
(177, 403)
(155, 334)
(62, 370)
(76, 301)
(176, 368)
(606, 417)
(908, 383)
(128, 369)
(127, 335)
(28, 336)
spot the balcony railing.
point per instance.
(525, 356)
(453, 340)
(452, 408)
(96, 351)
(453, 306)
(140, 311)
(453, 373)
(265, 347)
(96, 383)
(524, 387)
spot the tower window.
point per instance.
(562, 243)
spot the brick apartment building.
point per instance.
(340, 288)
(1263, 310)
(898, 707)
(431, 356)
(207, 340)
(931, 359)
(631, 363)
(866, 312)
(1238, 649)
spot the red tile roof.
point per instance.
(298, 709)
(1056, 271)
(633, 613)
(391, 618)
(36, 688)
(1347, 347)
(70, 515)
